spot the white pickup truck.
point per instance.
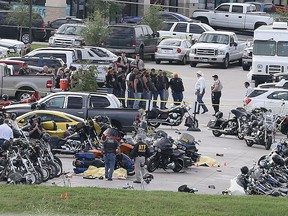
(234, 15)
(217, 47)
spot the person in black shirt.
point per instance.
(122, 87)
(110, 146)
(177, 89)
(138, 90)
(109, 80)
(159, 85)
(35, 131)
(24, 70)
(140, 152)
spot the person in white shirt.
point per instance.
(199, 92)
(249, 88)
(6, 133)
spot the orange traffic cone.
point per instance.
(66, 195)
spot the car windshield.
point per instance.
(257, 92)
(166, 26)
(282, 48)
(70, 29)
(120, 30)
(214, 38)
(264, 47)
(99, 52)
(170, 43)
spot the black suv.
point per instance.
(40, 61)
(12, 31)
(55, 24)
(132, 39)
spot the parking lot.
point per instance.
(235, 152)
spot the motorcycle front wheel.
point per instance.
(152, 164)
(216, 133)
(58, 164)
(179, 164)
(249, 143)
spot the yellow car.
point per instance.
(53, 122)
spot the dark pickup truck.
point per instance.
(83, 105)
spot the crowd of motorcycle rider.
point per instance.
(139, 83)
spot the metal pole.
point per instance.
(30, 21)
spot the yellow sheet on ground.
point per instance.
(95, 172)
(208, 161)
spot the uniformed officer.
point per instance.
(140, 152)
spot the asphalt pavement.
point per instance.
(235, 152)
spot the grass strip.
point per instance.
(46, 200)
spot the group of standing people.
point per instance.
(141, 85)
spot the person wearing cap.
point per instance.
(137, 63)
(200, 91)
(140, 153)
(216, 89)
(177, 89)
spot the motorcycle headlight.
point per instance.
(221, 52)
(244, 118)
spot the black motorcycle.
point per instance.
(171, 117)
(166, 158)
(261, 131)
(187, 143)
(231, 126)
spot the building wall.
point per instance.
(55, 9)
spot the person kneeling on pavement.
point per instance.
(140, 152)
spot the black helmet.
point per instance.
(5, 97)
(277, 159)
(244, 170)
(253, 117)
(148, 178)
(219, 114)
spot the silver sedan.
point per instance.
(173, 49)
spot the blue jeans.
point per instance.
(130, 102)
(177, 97)
(137, 95)
(155, 96)
(110, 90)
(110, 159)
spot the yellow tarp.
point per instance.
(208, 161)
(94, 172)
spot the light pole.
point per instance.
(30, 21)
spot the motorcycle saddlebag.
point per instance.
(85, 164)
(189, 121)
(85, 156)
(79, 170)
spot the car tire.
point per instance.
(246, 67)
(157, 61)
(141, 53)
(193, 64)
(225, 64)
(23, 95)
(25, 37)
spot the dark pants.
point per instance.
(130, 100)
(110, 159)
(177, 97)
(155, 96)
(216, 101)
(121, 95)
(201, 103)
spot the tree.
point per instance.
(152, 18)
(20, 17)
(281, 16)
(96, 29)
(86, 79)
(110, 10)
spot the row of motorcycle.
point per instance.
(269, 176)
(25, 161)
(256, 127)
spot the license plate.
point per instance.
(204, 60)
(167, 51)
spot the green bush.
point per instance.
(85, 79)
